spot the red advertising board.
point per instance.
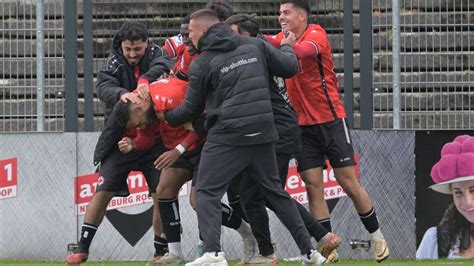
(85, 187)
(8, 178)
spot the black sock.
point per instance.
(238, 209)
(170, 218)
(315, 229)
(370, 221)
(326, 223)
(230, 218)
(161, 246)
(87, 234)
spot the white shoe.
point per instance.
(314, 258)
(380, 249)
(168, 258)
(210, 259)
(259, 259)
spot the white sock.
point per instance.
(377, 235)
(244, 229)
(325, 238)
(200, 242)
(175, 248)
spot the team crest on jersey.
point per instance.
(178, 40)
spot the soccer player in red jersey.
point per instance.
(180, 161)
(178, 164)
(180, 48)
(314, 94)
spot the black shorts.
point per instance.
(116, 166)
(189, 160)
(330, 140)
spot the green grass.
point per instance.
(342, 263)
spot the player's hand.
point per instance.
(125, 145)
(188, 126)
(167, 159)
(290, 38)
(165, 75)
(143, 91)
(130, 96)
(160, 116)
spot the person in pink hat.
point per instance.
(454, 175)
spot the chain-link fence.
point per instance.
(46, 190)
(18, 89)
(436, 64)
(20, 85)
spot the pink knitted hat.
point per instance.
(456, 164)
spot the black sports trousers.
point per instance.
(219, 164)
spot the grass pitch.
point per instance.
(282, 263)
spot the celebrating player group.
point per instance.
(227, 107)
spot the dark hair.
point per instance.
(244, 22)
(303, 4)
(185, 20)
(453, 226)
(132, 31)
(222, 8)
(204, 13)
(122, 113)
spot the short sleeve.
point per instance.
(428, 249)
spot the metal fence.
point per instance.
(436, 64)
(436, 57)
(19, 87)
(23, 92)
(46, 191)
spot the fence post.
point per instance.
(39, 66)
(70, 65)
(348, 63)
(396, 63)
(88, 69)
(366, 65)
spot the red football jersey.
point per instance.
(144, 138)
(314, 103)
(177, 50)
(167, 94)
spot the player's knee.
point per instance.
(352, 189)
(164, 192)
(315, 187)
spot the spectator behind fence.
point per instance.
(453, 175)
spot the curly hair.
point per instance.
(132, 31)
(453, 226)
(122, 113)
(222, 8)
